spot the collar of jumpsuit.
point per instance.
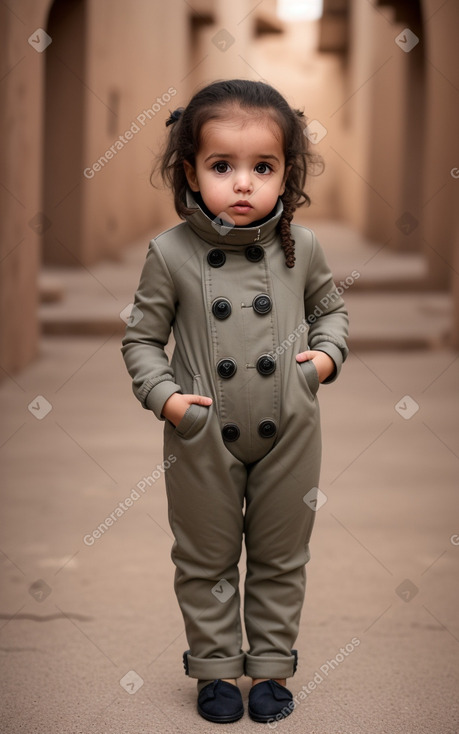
(218, 232)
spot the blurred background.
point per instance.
(86, 87)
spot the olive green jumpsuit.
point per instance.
(243, 465)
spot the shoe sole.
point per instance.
(221, 719)
(267, 718)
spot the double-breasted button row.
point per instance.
(266, 429)
(216, 258)
(227, 367)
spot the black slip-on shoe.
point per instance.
(269, 701)
(220, 702)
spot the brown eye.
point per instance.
(221, 167)
(264, 166)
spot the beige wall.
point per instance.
(402, 138)
(440, 189)
(374, 155)
(140, 57)
(220, 49)
(21, 92)
(135, 56)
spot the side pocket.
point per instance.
(195, 416)
(311, 375)
(193, 421)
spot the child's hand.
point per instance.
(176, 406)
(324, 364)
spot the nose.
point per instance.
(243, 182)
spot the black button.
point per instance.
(216, 258)
(254, 253)
(226, 368)
(262, 303)
(266, 365)
(221, 308)
(267, 429)
(230, 432)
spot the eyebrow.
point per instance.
(228, 155)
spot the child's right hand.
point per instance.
(176, 406)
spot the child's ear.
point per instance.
(191, 177)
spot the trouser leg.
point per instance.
(205, 488)
(278, 525)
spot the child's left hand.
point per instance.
(324, 364)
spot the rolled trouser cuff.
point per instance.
(212, 668)
(271, 666)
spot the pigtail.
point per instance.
(287, 241)
(302, 162)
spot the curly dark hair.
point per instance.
(212, 103)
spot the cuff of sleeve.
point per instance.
(158, 395)
(336, 355)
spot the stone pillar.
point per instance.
(441, 172)
(221, 43)
(22, 49)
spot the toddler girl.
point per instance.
(258, 324)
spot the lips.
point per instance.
(241, 207)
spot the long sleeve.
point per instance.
(325, 312)
(148, 332)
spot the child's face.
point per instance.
(240, 160)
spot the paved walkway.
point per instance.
(91, 635)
